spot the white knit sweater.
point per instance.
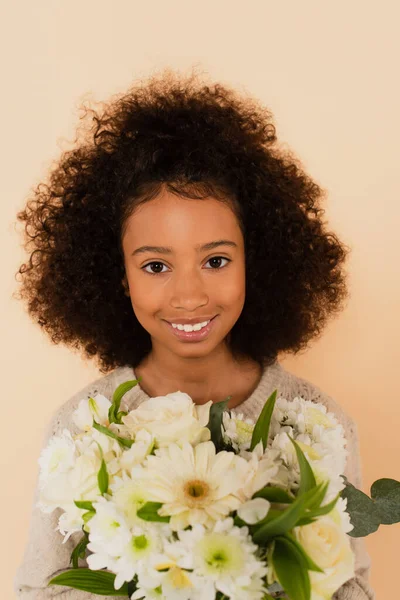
(45, 556)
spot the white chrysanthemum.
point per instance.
(145, 542)
(195, 485)
(225, 558)
(262, 467)
(57, 458)
(129, 495)
(171, 418)
(108, 536)
(92, 408)
(70, 521)
(237, 430)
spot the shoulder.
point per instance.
(299, 386)
(105, 385)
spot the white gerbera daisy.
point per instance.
(195, 485)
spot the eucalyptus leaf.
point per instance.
(96, 582)
(291, 569)
(307, 479)
(149, 512)
(215, 422)
(385, 493)
(261, 428)
(363, 513)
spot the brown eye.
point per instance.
(216, 262)
(158, 266)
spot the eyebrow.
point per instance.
(199, 248)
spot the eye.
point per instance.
(153, 263)
(160, 264)
(218, 258)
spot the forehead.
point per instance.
(174, 218)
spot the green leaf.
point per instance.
(307, 479)
(386, 495)
(362, 511)
(289, 517)
(149, 512)
(86, 505)
(88, 515)
(79, 551)
(324, 510)
(261, 428)
(291, 569)
(215, 422)
(310, 564)
(96, 582)
(113, 415)
(122, 441)
(275, 494)
(102, 478)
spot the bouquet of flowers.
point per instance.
(181, 501)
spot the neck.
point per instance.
(212, 377)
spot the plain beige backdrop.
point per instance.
(329, 73)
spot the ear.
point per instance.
(125, 286)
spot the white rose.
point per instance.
(171, 418)
(329, 547)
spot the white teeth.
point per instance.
(196, 327)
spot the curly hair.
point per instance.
(195, 139)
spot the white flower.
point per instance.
(171, 418)
(93, 408)
(237, 429)
(129, 495)
(195, 485)
(225, 558)
(79, 483)
(261, 469)
(57, 458)
(144, 542)
(108, 536)
(329, 547)
(254, 510)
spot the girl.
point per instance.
(178, 243)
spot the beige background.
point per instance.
(329, 73)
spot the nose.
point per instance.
(188, 291)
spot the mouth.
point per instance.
(193, 336)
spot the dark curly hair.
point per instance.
(194, 139)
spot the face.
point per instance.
(183, 280)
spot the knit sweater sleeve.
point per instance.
(357, 588)
(45, 554)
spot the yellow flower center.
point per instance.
(196, 491)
